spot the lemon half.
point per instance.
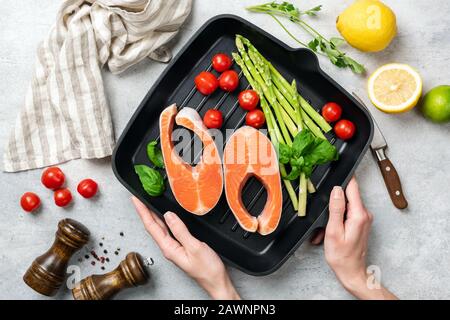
(395, 88)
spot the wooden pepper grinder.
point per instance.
(47, 272)
(131, 272)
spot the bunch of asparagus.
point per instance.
(286, 111)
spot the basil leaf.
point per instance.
(151, 179)
(302, 142)
(284, 153)
(297, 162)
(155, 155)
(322, 153)
(293, 175)
(307, 170)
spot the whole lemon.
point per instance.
(368, 25)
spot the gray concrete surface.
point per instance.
(412, 248)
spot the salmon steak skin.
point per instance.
(249, 153)
(196, 188)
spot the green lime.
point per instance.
(436, 104)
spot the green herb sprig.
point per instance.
(155, 154)
(151, 179)
(306, 152)
(319, 44)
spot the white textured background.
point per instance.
(412, 248)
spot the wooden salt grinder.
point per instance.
(47, 272)
(131, 272)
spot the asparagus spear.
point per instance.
(292, 127)
(311, 188)
(302, 190)
(296, 105)
(302, 195)
(311, 125)
(323, 124)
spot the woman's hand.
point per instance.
(192, 256)
(346, 240)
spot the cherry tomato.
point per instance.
(344, 129)
(331, 112)
(30, 201)
(62, 197)
(206, 82)
(213, 119)
(221, 62)
(87, 188)
(248, 100)
(53, 178)
(229, 80)
(255, 118)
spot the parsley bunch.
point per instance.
(319, 44)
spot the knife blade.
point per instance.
(388, 171)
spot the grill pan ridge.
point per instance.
(251, 253)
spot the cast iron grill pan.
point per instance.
(250, 252)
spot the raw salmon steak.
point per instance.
(249, 153)
(197, 189)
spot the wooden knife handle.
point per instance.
(393, 184)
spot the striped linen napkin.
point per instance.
(66, 114)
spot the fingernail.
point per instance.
(337, 193)
(169, 216)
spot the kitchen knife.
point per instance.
(390, 175)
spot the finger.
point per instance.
(143, 208)
(335, 226)
(148, 219)
(357, 230)
(161, 236)
(180, 231)
(318, 237)
(159, 221)
(358, 226)
(355, 204)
